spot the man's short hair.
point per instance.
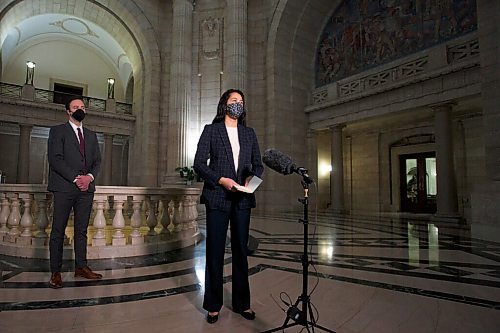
(71, 99)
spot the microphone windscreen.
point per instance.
(278, 161)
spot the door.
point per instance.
(418, 182)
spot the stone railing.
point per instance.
(49, 96)
(125, 221)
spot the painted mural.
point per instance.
(366, 33)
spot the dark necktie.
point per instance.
(82, 142)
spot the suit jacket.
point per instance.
(65, 160)
(214, 144)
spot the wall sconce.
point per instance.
(30, 72)
(111, 88)
(325, 169)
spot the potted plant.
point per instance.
(187, 173)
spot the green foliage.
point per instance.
(186, 172)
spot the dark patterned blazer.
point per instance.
(214, 145)
(65, 160)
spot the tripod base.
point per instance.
(300, 318)
(306, 326)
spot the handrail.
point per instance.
(47, 96)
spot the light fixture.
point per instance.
(325, 169)
(30, 72)
(111, 88)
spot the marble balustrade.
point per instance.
(125, 221)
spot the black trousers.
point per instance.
(81, 203)
(217, 224)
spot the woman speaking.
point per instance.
(234, 157)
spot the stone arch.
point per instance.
(128, 25)
(294, 33)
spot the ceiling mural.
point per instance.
(365, 33)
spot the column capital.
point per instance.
(337, 127)
(22, 125)
(443, 106)
(192, 3)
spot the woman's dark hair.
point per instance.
(221, 108)
(71, 99)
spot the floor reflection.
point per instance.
(366, 266)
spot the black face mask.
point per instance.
(78, 115)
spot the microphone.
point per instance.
(283, 164)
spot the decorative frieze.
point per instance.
(463, 51)
(381, 78)
(320, 96)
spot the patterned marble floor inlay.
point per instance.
(360, 267)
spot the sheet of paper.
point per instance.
(251, 187)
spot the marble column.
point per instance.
(485, 194)
(235, 51)
(108, 159)
(337, 177)
(489, 41)
(447, 203)
(23, 157)
(180, 89)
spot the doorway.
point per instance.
(418, 182)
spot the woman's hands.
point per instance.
(227, 183)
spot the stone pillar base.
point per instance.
(448, 218)
(9, 238)
(136, 240)
(39, 242)
(119, 241)
(172, 179)
(99, 242)
(152, 238)
(23, 240)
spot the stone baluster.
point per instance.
(171, 212)
(4, 215)
(185, 213)
(107, 209)
(42, 220)
(151, 220)
(165, 216)
(14, 218)
(99, 238)
(178, 212)
(136, 221)
(26, 219)
(191, 213)
(119, 221)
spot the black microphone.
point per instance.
(283, 164)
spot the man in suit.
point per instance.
(74, 162)
(234, 156)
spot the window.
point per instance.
(63, 91)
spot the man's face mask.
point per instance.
(235, 110)
(78, 115)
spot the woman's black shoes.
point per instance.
(212, 319)
(248, 315)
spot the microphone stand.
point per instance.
(300, 317)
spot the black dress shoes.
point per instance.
(248, 315)
(211, 319)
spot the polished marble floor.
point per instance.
(369, 274)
